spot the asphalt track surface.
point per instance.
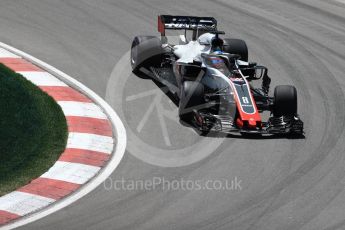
(285, 183)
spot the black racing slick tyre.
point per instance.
(192, 96)
(236, 46)
(285, 101)
(145, 51)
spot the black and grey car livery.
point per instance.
(210, 76)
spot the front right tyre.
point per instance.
(285, 101)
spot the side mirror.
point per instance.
(260, 71)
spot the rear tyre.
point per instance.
(285, 101)
(192, 94)
(236, 46)
(145, 51)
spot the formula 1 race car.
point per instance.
(212, 79)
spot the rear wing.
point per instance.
(169, 22)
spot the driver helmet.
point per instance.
(216, 44)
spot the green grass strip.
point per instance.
(33, 131)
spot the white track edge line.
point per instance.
(118, 153)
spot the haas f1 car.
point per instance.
(212, 79)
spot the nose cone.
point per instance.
(252, 123)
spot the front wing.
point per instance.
(225, 124)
